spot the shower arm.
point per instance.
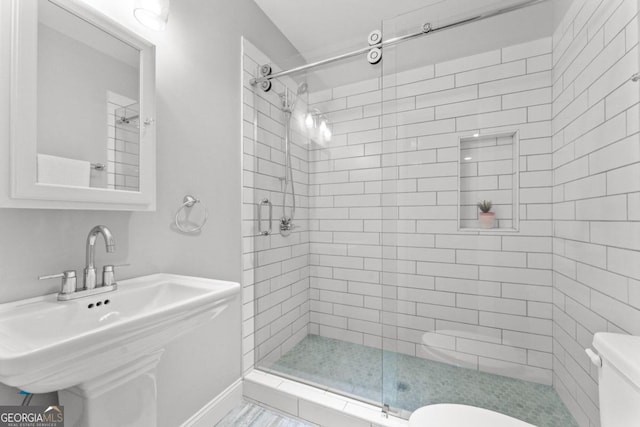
(426, 29)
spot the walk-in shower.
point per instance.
(389, 289)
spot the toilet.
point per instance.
(618, 363)
(453, 415)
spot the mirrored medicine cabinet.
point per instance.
(80, 124)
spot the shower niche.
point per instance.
(488, 180)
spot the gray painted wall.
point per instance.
(199, 149)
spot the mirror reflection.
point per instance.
(88, 104)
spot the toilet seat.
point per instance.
(452, 415)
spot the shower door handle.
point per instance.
(264, 202)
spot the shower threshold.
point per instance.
(406, 383)
(312, 404)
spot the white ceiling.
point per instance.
(321, 28)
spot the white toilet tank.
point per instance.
(619, 379)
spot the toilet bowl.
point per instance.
(453, 415)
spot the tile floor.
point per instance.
(251, 415)
(411, 382)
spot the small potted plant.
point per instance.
(487, 218)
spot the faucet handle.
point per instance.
(69, 281)
(108, 274)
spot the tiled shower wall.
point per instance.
(388, 264)
(596, 193)
(276, 268)
(123, 144)
(124, 158)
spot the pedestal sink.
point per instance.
(101, 352)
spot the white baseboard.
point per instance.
(211, 413)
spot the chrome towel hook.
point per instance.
(189, 202)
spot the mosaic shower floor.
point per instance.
(411, 382)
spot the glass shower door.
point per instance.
(316, 292)
(468, 120)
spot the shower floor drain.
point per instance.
(402, 386)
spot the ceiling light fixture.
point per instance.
(152, 14)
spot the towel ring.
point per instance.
(189, 202)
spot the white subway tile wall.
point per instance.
(123, 145)
(596, 169)
(276, 268)
(389, 267)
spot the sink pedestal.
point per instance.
(122, 397)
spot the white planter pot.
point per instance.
(487, 220)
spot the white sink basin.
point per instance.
(48, 345)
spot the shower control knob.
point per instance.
(286, 226)
(375, 37)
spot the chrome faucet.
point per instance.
(90, 268)
(69, 289)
